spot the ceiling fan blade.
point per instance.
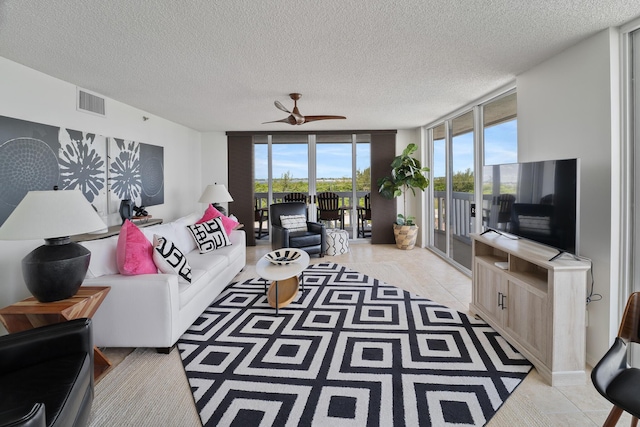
(277, 121)
(315, 118)
(290, 120)
(279, 106)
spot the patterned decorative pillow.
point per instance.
(134, 253)
(209, 235)
(294, 222)
(211, 212)
(169, 259)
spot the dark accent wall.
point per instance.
(383, 211)
(241, 163)
(241, 172)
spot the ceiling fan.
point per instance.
(295, 117)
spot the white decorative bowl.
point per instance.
(283, 256)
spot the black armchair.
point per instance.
(612, 376)
(46, 375)
(312, 240)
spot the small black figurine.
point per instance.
(140, 211)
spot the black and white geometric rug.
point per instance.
(351, 351)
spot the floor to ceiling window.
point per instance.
(454, 144)
(462, 188)
(292, 164)
(500, 130)
(261, 170)
(335, 176)
(439, 186)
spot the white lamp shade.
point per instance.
(216, 193)
(51, 214)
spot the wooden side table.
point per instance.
(31, 313)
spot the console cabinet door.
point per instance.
(489, 290)
(527, 317)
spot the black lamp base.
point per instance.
(56, 270)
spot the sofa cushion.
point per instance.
(211, 213)
(164, 230)
(209, 235)
(205, 269)
(294, 222)
(103, 256)
(192, 218)
(169, 259)
(134, 253)
(303, 239)
(183, 238)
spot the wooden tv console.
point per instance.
(537, 305)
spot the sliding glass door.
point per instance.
(440, 186)
(488, 131)
(289, 165)
(463, 183)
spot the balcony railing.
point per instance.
(460, 211)
(345, 201)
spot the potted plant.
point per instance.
(406, 174)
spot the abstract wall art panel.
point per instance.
(124, 172)
(136, 172)
(28, 161)
(152, 174)
(35, 156)
(82, 160)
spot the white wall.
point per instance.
(567, 107)
(30, 95)
(214, 161)
(414, 204)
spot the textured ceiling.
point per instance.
(219, 65)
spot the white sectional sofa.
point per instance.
(154, 310)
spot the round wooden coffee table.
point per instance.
(283, 278)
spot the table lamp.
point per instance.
(216, 194)
(55, 270)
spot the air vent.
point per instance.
(90, 103)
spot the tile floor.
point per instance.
(427, 274)
(424, 273)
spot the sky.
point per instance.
(500, 143)
(334, 160)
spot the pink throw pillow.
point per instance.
(134, 253)
(212, 213)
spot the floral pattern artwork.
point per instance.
(124, 172)
(82, 160)
(35, 156)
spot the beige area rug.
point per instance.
(518, 411)
(145, 389)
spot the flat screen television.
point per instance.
(534, 200)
